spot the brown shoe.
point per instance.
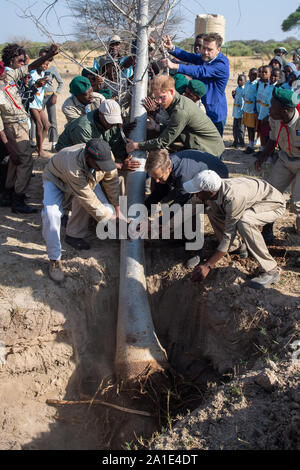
(55, 270)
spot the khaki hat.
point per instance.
(111, 111)
(114, 38)
(206, 180)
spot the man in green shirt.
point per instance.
(103, 123)
(187, 124)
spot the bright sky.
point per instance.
(255, 19)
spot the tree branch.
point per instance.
(123, 12)
(157, 13)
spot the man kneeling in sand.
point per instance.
(85, 172)
(239, 206)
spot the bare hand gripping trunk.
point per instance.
(138, 348)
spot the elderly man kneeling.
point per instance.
(84, 171)
(239, 206)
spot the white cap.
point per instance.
(206, 180)
(115, 38)
(111, 111)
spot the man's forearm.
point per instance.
(38, 62)
(268, 150)
(214, 258)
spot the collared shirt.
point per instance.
(289, 135)
(73, 109)
(185, 165)
(11, 106)
(189, 126)
(214, 74)
(68, 170)
(259, 94)
(88, 127)
(235, 196)
(238, 105)
(250, 91)
(265, 101)
(54, 74)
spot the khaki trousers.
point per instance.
(18, 176)
(247, 228)
(286, 171)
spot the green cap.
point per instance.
(86, 72)
(79, 85)
(181, 83)
(100, 151)
(197, 87)
(287, 98)
(106, 93)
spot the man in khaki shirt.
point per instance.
(14, 131)
(285, 133)
(83, 99)
(85, 172)
(237, 206)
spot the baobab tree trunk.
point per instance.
(138, 348)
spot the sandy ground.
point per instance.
(55, 338)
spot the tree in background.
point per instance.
(292, 21)
(107, 19)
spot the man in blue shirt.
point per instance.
(172, 171)
(211, 67)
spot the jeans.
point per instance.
(238, 131)
(52, 213)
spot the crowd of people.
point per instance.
(252, 99)
(186, 114)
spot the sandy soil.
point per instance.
(232, 345)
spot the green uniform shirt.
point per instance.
(88, 127)
(190, 126)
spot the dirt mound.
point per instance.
(257, 410)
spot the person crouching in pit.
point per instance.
(238, 206)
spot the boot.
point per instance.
(194, 260)
(7, 196)
(56, 270)
(267, 233)
(19, 206)
(265, 279)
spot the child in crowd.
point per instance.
(36, 109)
(263, 117)
(262, 105)
(237, 113)
(291, 76)
(275, 79)
(249, 119)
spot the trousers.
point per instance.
(18, 176)
(53, 211)
(284, 172)
(247, 228)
